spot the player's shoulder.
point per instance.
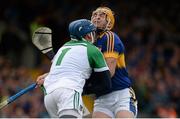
(75, 43)
(111, 35)
(92, 49)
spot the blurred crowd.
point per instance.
(150, 31)
(12, 80)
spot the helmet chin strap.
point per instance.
(107, 25)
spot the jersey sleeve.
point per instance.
(96, 59)
(112, 45)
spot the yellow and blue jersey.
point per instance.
(111, 46)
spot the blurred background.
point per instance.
(149, 30)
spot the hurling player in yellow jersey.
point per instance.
(121, 102)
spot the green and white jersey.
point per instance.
(73, 64)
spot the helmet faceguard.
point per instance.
(109, 16)
(91, 36)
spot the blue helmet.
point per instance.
(79, 28)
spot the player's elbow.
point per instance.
(111, 62)
(112, 72)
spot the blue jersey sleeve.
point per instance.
(112, 45)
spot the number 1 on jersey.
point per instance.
(62, 55)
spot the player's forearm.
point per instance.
(104, 80)
(99, 83)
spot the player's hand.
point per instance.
(40, 79)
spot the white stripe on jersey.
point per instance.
(101, 69)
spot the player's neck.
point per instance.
(99, 32)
